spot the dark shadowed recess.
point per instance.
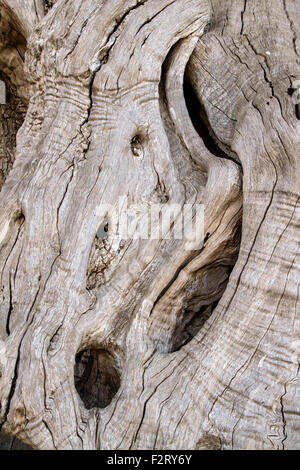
(202, 301)
(12, 114)
(97, 377)
(49, 4)
(203, 127)
(12, 443)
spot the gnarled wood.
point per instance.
(159, 101)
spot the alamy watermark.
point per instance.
(296, 93)
(3, 358)
(153, 222)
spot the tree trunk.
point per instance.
(150, 344)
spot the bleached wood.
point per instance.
(108, 117)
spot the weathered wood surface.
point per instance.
(170, 348)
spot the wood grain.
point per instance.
(174, 348)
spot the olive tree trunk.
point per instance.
(145, 344)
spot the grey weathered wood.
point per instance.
(190, 354)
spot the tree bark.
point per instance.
(145, 344)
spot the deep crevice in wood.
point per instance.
(97, 377)
(12, 115)
(193, 320)
(12, 443)
(49, 4)
(201, 124)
